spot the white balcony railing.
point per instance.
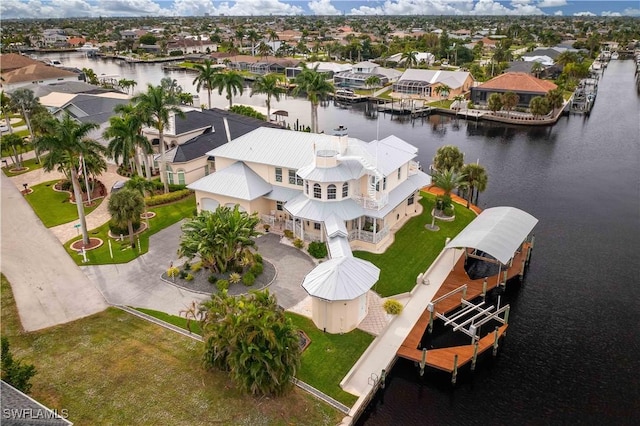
(368, 236)
(371, 204)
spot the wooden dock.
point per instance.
(405, 108)
(443, 359)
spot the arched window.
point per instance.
(331, 192)
(317, 191)
(345, 190)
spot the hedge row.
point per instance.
(167, 198)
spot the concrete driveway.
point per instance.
(49, 288)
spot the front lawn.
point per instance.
(166, 215)
(414, 248)
(53, 207)
(114, 368)
(329, 357)
(31, 163)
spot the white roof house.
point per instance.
(420, 82)
(333, 188)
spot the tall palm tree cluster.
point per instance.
(450, 173)
(316, 87)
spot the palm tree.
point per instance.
(536, 69)
(410, 58)
(539, 106)
(555, 99)
(231, 82)
(7, 108)
(124, 138)
(155, 106)
(67, 140)
(144, 187)
(448, 157)
(565, 58)
(91, 76)
(314, 84)
(15, 146)
(205, 78)
(495, 102)
(171, 85)
(475, 179)
(268, 85)
(239, 35)
(372, 82)
(442, 90)
(509, 101)
(136, 120)
(448, 180)
(272, 35)
(264, 49)
(125, 207)
(253, 37)
(26, 102)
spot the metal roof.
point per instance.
(319, 211)
(277, 147)
(335, 227)
(400, 192)
(453, 79)
(390, 153)
(344, 171)
(497, 231)
(281, 193)
(341, 278)
(237, 181)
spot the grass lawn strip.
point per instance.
(31, 163)
(166, 215)
(324, 363)
(53, 207)
(414, 248)
(114, 368)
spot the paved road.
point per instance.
(49, 288)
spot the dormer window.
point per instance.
(331, 192)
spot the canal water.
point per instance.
(572, 354)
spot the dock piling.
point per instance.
(383, 377)
(475, 356)
(454, 375)
(423, 362)
(495, 341)
(484, 289)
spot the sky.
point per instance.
(24, 9)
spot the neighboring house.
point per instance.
(189, 45)
(328, 68)
(19, 408)
(421, 58)
(189, 161)
(312, 183)
(422, 83)
(19, 71)
(361, 71)
(522, 84)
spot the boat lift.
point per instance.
(460, 320)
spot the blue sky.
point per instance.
(10, 9)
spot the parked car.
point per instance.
(4, 128)
(117, 186)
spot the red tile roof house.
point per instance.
(522, 84)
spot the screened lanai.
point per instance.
(413, 87)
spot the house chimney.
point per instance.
(341, 137)
(226, 129)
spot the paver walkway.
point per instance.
(49, 288)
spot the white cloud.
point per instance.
(192, 7)
(609, 13)
(552, 3)
(51, 9)
(558, 13)
(258, 8)
(323, 7)
(491, 7)
(587, 13)
(130, 8)
(631, 12)
(417, 7)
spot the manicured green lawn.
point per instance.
(414, 248)
(166, 215)
(445, 104)
(30, 163)
(173, 319)
(53, 207)
(329, 358)
(324, 363)
(114, 368)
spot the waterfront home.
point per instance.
(189, 161)
(309, 183)
(522, 84)
(361, 71)
(421, 58)
(422, 83)
(20, 71)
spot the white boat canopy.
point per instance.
(497, 231)
(341, 278)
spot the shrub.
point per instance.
(318, 249)
(122, 230)
(248, 279)
(173, 272)
(182, 274)
(393, 307)
(298, 243)
(157, 200)
(212, 279)
(258, 258)
(189, 277)
(238, 269)
(176, 53)
(288, 233)
(235, 278)
(196, 267)
(257, 269)
(65, 185)
(247, 111)
(187, 266)
(222, 285)
(14, 371)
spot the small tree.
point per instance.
(495, 102)
(448, 157)
(14, 371)
(510, 101)
(125, 207)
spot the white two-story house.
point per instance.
(316, 185)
